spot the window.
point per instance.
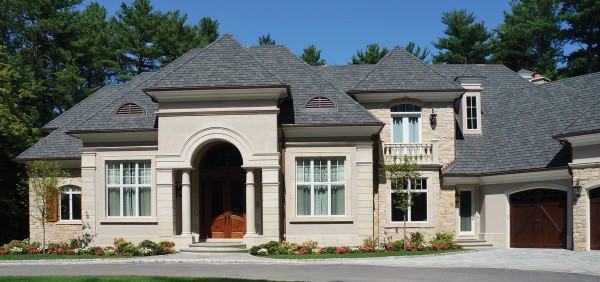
(129, 188)
(406, 124)
(320, 186)
(130, 110)
(70, 203)
(319, 104)
(418, 211)
(472, 111)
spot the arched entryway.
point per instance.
(222, 192)
(538, 219)
(594, 218)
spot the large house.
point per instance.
(252, 144)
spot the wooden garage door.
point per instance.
(595, 219)
(538, 219)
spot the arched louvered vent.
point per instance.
(130, 110)
(319, 104)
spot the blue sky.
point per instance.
(338, 28)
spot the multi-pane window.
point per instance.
(406, 123)
(128, 188)
(472, 112)
(70, 203)
(320, 186)
(417, 191)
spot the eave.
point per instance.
(331, 130)
(580, 138)
(433, 95)
(116, 136)
(218, 93)
(513, 176)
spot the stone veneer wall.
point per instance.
(586, 177)
(55, 231)
(441, 199)
(441, 212)
(443, 132)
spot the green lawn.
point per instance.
(56, 256)
(362, 255)
(117, 278)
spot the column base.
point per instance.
(183, 241)
(251, 240)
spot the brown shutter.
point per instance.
(52, 205)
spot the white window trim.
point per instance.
(69, 190)
(405, 116)
(408, 219)
(122, 186)
(477, 96)
(312, 184)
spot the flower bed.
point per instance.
(121, 248)
(441, 242)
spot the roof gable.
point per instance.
(400, 70)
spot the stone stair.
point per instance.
(474, 244)
(216, 247)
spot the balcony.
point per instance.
(421, 153)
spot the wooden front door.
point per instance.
(538, 219)
(595, 219)
(223, 200)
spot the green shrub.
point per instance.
(416, 238)
(167, 244)
(309, 245)
(397, 245)
(76, 244)
(369, 242)
(444, 238)
(331, 249)
(148, 247)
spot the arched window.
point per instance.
(70, 203)
(319, 104)
(130, 110)
(406, 123)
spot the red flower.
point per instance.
(49, 252)
(99, 252)
(341, 250)
(59, 250)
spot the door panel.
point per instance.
(223, 201)
(595, 219)
(538, 219)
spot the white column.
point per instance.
(186, 203)
(250, 208)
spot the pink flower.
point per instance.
(408, 247)
(99, 252)
(49, 252)
(3, 252)
(60, 251)
(420, 248)
(70, 251)
(367, 249)
(341, 250)
(323, 251)
(301, 251)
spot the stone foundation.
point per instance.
(588, 178)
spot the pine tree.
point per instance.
(420, 54)
(583, 29)
(529, 37)
(264, 40)
(467, 42)
(370, 56)
(312, 56)
(207, 31)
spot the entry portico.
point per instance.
(193, 122)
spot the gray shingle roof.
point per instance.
(344, 77)
(306, 84)
(518, 123)
(222, 63)
(58, 144)
(590, 120)
(81, 107)
(400, 70)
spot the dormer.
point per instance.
(470, 107)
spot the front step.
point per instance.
(216, 247)
(474, 244)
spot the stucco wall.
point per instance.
(495, 208)
(357, 224)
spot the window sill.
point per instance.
(408, 224)
(128, 220)
(69, 222)
(324, 219)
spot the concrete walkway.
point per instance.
(520, 259)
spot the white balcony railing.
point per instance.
(421, 153)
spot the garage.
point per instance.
(538, 219)
(595, 219)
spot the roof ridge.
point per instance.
(375, 67)
(253, 58)
(330, 84)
